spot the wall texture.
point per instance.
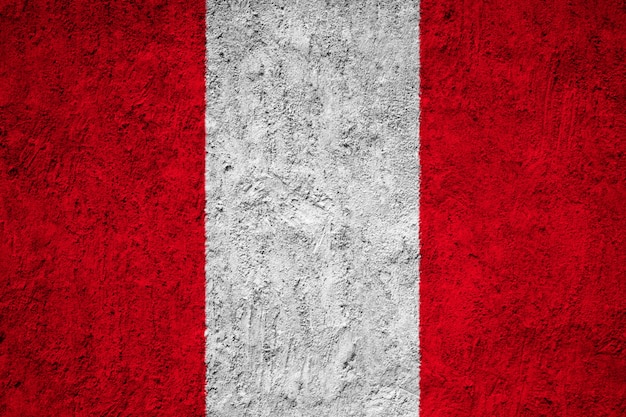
(312, 213)
(101, 201)
(522, 283)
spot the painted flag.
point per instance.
(312, 208)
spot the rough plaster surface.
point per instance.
(523, 174)
(312, 208)
(101, 202)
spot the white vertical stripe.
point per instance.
(312, 208)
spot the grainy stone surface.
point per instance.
(312, 208)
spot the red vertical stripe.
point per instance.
(101, 187)
(523, 208)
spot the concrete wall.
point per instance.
(312, 213)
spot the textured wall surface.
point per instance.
(523, 213)
(312, 184)
(101, 186)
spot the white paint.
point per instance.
(312, 208)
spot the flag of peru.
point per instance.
(313, 208)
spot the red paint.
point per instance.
(523, 152)
(101, 202)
